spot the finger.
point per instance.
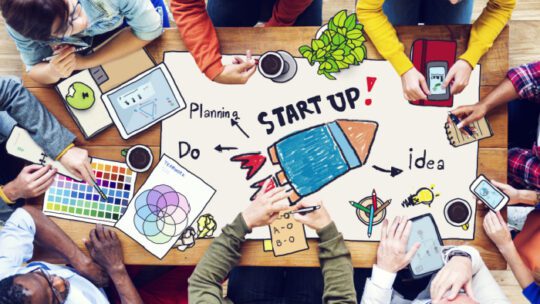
(109, 233)
(281, 206)
(100, 232)
(457, 88)
(89, 169)
(412, 252)
(406, 232)
(448, 79)
(424, 87)
(44, 179)
(62, 54)
(114, 236)
(502, 222)
(273, 218)
(384, 230)
(499, 185)
(443, 287)
(395, 223)
(300, 218)
(31, 168)
(469, 291)
(89, 245)
(94, 237)
(42, 188)
(419, 94)
(248, 55)
(39, 173)
(245, 66)
(454, 291)
(401, 227)
(275, 191)
(250, 73)
(264, 187)
(467, 121)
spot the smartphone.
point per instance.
(436, 73)
(428, 259)
(490, 195)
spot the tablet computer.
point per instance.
(144, 101)
(428, 259)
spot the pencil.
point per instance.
(382, 207)
(374, 199)
(358, 206)
(306, 210)
(370, 226)
(99, 190)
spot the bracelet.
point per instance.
(4, 197)
(457, 252)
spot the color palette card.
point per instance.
(74, 200)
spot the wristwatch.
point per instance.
(457, 252)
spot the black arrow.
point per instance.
(393, 171)
(219, 148)
(235, 123)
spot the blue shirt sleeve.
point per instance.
(16, 242)
(532, 293)
(142, 17)
(32, 52)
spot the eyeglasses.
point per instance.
(57, 295)
(73, 15)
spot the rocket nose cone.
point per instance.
(360, 134)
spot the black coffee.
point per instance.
(139, 158)
(458, 212)
(271, 64)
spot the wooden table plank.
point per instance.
(492, 152)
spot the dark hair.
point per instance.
(12, 293)
(34, 18)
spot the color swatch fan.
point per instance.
(70, 199)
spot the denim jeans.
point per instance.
(275, 285)
(230, 13)
(6, 125)
(429, 12)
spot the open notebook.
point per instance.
(457, 138)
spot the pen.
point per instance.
(371, 215)
(358, 206)
(80, 49)
(303, 211)
(456, 121)
(98, 189)
(374, 200)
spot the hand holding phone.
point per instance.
(490, 195)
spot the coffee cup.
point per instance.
(458, 213)
(139, 158)
(277, 66)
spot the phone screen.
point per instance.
(436, 79)
(488, 194)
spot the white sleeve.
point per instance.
(378, 289)
(16, 242)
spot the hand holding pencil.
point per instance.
(317, 219)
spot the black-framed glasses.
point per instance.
(72, 17)
(57, 295)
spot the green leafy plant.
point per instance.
(339, 46)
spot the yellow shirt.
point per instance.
(383, 35)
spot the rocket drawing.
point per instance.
(312, 158)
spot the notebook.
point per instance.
(457, 138)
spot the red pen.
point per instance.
(374, 200)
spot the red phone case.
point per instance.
(424, 51)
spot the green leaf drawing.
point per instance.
(350, 22)
(339, 18)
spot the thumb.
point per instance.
(469, 291)
(424, 85)
(498, 185)
(466, 122)
(300, 218)
(448, 79)
(245, 65)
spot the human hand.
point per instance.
(64, 61)
(33, 181)
(91, 270)
(239, 71)
(414, 85)
(266, 206)
(456, 274)
(469, 114)
(104, 247)
(391, 254)
(77, 162)
(454, 2)
(317, 219)
(512, 192)
(458, 76)
(497, 230)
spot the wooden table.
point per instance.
(492, 156)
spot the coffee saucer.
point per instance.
(292, 68)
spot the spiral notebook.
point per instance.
(457, 138)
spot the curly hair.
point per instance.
(34, 19)
(12, 293)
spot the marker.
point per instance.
(370, 226)
(456, 121)
(99, 190)
(358, 206)
(306, 210)
(374, 199)
(80, 49)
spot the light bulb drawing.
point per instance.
(423, 195)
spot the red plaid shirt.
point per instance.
(524, 165)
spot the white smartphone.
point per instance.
(490, 195)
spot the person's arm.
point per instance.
(520, 82)
(52, 238)
(527, 197)
(392, 256)
(16, 242)
(105, 248)
(334, 256)
(496, 229)
(224, 253)
(486, 29)
(285, 12)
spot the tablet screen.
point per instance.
(143, 102)
(428, 258)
